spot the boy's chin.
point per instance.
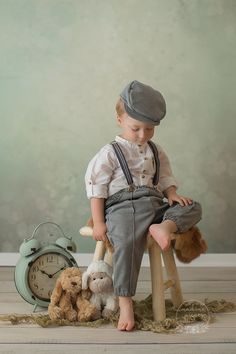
(141, 142)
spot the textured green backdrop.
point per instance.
(62, 66)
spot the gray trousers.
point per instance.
(128, 217)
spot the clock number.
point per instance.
(35, 269)
(49, 259)
(41, 262)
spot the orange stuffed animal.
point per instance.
(189, 245)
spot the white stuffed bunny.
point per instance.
(98, 278)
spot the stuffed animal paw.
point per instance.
(55, 313)
(86, 310)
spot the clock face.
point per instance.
(43, 273)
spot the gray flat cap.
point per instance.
(143, 103)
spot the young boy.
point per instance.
(126, 182)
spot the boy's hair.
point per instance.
(120, 109)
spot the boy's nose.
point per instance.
(142, 135)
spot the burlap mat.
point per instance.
(189, 312)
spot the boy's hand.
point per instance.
(183, 201)
(99, 231)
(172, 197)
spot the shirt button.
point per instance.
(143, 176)
(145, 158)
(141, 151)
(144, 171)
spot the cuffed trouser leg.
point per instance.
(184, 216)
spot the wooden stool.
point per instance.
(157, 279)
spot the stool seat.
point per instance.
(156, 255)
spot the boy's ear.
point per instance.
(118, 119)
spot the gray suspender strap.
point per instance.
(157, 162)
(123, 163)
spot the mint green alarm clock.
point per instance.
(40, 265)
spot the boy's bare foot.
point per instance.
(126, 320)
(162, 233)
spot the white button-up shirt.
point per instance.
(105, 177)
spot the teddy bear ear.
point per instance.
(85, 277)
(56, 293)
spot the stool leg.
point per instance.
(158, 297)
(100, 250)
(172, 273)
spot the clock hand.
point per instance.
(43, 271)
(57, 271)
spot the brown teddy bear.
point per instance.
(69, 301)
(98, 278)
(189, 245)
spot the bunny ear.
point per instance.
(85, 277)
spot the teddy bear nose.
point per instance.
(73, 283)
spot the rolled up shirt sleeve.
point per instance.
(166, 177)
(99, 173)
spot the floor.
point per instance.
(198, 283)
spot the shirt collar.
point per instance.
(128, 143)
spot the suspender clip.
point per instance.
(131, 188)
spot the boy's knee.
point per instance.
(195, 212)
(197, 208)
